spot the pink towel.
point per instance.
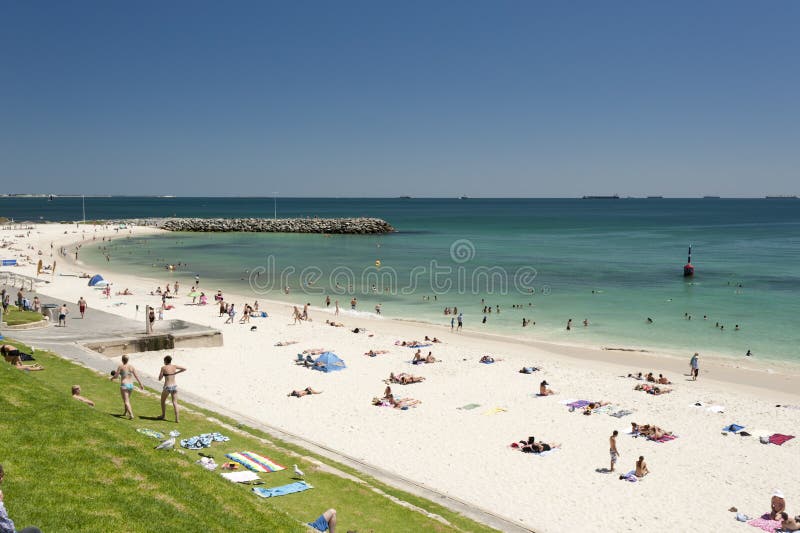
(779, 439)
(765, 523)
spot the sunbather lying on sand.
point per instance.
(304, 392)
(647, 430)
(788, 523)
(636, 376)
(663, 380)
(334, 324)
(404, 378)
(373, 353)
(594, 405)
(652, 389)
(529, 446)
(397, 404)
(407, 343)
(528, 370)
(285, 343)
(428, 339)
(126, 292)
(314, 351)
(488, 359)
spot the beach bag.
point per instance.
(763, 440)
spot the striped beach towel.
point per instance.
(255, 462)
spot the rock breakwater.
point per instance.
(354, 226)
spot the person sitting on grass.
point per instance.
(76, 393)
(6, 524)
(544, 391)
(304, 392)
(325, 522)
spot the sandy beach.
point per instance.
(466, 453)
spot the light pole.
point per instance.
(275, 211)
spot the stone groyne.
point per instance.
(357, 226)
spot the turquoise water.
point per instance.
(615, 262)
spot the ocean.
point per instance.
(615, 263)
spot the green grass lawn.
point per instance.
(70, 467)
(15, 317)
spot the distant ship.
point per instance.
(781, 197)
(614, 197)
(656, 197)
(405, 198)
(711, 197)
(464, 198)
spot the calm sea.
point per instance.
(613, 262)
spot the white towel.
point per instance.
(240, 477)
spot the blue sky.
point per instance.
(443, 98)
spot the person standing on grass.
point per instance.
(168, 373)
(7, 525)
(126, 374)
(82, 307)
(612, 441)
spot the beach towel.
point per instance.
(199, 442)
(765, 523)
(621, 413)
(283, 490)
(495, 410)
(486, 362)
(469, 406)
(603, 409)
(733, 428)
(665, 438)
(240, 477)
(151, 433)
(577, 404)
(418, 345)
(255, 462)
(779, 439)
(716, 409)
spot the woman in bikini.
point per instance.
(304, 392)
(126, 374)
(404, 378)
(168, 372)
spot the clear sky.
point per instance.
(379, 98)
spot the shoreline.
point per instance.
(750, 373)
(461, 453)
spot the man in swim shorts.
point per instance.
(325, 522)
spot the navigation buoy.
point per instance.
(688, 268)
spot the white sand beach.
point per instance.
(466, 453)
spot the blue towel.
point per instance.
(733, 428)
(283, 490)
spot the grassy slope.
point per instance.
(73, 468)
(15, 317)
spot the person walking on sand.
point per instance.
(126, 374)
(336, 312)
(62, 315)
(176, 288)
(151, 317)
(452, 323)
(82, 307)
(612, 441)
(327, 301)
(460, 320)
(694, 364)
(231, 314)
(168, 373)
(569, 324)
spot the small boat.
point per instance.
(782, 197)
(711, 197)
(463, 198)
(655, 197)
(405, 198)
(612, 197)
